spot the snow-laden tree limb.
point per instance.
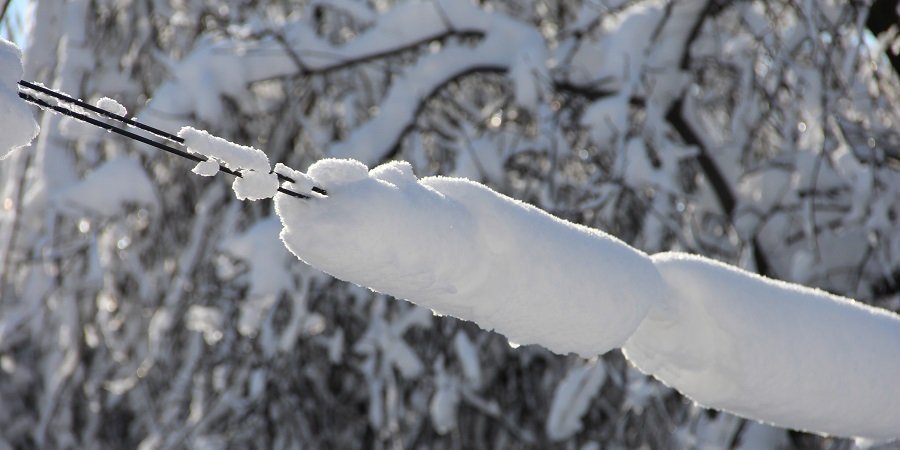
(793, 101)
(729, 339)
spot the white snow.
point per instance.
(619, 53)
(508, 45)
(727, 338)
(112, 106)
(763, 349)
(302, 182)
(107, 189)
(17, 124)
(216, 68)
(459, 248)
(234, 156)
(207, 168)
(468, 358)
(256, 182)
(605, 119)
(253, 185)
(264, 256)
(444, 405)
(772, 351)
(207, 320)
(572, 398)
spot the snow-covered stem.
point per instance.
(142, 139)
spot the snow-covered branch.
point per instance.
(729, 339)
(169, 314)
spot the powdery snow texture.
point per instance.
(729, 339)
(234, 156)
(768, 350)
(207, 168)
(17, 124)
(459, 248)
(112, 106)
(255, 181)
(773, 351)
(253, 185)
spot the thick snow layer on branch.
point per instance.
(234, 156)
(764, 349)
(207, 168)
(459, 248)
(773, 351)
(255, 181)
(253, 185)
(17, 124)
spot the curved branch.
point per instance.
(675, 116)
(378, 139)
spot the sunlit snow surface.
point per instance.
(234, 156)
(255, 181)
(772, 351)
(112, 106)
(93, 193)
(459, 248)
(17, 125)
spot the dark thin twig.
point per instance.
(134, 123)
(101, 111)
(145, 140)
(3, 11)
